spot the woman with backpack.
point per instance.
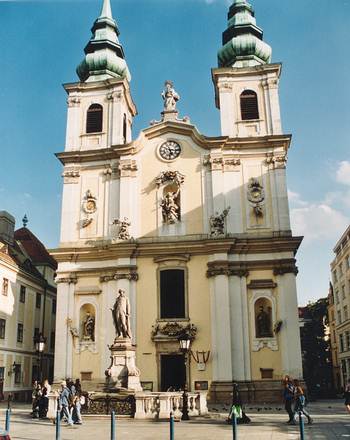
(299, 397)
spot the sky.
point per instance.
(42, 43)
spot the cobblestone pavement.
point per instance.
(330, 422)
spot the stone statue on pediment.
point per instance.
(170, 97)
(121, 315)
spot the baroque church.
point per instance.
(195, 229)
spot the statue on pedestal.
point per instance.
(89, 327)
(170, 97)
(121, 315)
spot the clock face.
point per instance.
(170, 150)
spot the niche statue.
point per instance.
(89, 327)
(121, 315)
(263, 324)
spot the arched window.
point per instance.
(172, 294)
(124, 128)
(249, 105)
(94, 118)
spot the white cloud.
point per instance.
(295, 199)
(343, 173)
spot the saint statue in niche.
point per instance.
(263, 324)
(121, 315)
(89, 327)
(170, 207)
(170, 97)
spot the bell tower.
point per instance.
(100, 107)
(246, 83)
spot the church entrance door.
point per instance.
(172, 367)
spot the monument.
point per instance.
(122, 374)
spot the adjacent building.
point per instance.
(195, 229)
(333, 339)
(27, 309)
(340, 268)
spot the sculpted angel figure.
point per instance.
(121, 315)
(170, 96)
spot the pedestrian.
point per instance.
(288, 397)
(78, 401)
(64, 401)
(77, 386)
(237, 408)
(36, 396)
(347, 396)
(299, 397)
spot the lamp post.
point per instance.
(39, 342)
(185, 343)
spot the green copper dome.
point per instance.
(243, 43)
(104, 55)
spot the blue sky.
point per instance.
(42, 43)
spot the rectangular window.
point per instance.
(22, 294)
(18, 373)
(54, 306)
(341, 343)
(339, 316)
(2, 328)
(335, 278)
(346, 313)
(347, 340)
(347, 261)
(336, 297)
(5, 286)
(36, 334)
(52, 341)
(19, 332)
(2, 373)
(343, 291)
(340, 269)
(38, 300)
(172, 294)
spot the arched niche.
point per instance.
(87, 319)
(263, 318)
(171, 203)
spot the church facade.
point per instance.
(195, 229)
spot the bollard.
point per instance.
(58, 425)
(301, 426)
(172, 426)
(7, 421)
(234, 425)
(112, 425)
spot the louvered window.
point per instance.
(249, 105)
(94, 119)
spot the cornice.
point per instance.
(177, 247)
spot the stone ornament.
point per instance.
(89, 207)
(277, 161)
(170, 97)
(124, 225)
(121, 316)
(256, 196)
(170, 176)
(170, 205)
(173, 330)
(217, 223)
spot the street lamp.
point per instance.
(39, 342)
(185, 343)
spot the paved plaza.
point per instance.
(331, 422)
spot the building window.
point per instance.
(38, 300)
(94, 118)
(2, 328)
(2, 373)
(343, 291)
(336, 297)
(335, 278)
(341, 343)
(172, 293)
(346, 313)
(339, 316)
(52, 341)
(347, 340)
(53, 307)
(347, 262)
(5, 286)
(249, 105)
(22, 294)
(18, 373)
(36, 334)
(19, 332)
(340, 268)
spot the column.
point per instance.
(274, 106)
(237, 331)
(228, 114)
(290, 332)
(117, 117)
(245, 322)
(220, 324)
(73, 123)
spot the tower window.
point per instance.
(94, 118)
(249, 105)
(172, 294)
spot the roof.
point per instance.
(34, 248)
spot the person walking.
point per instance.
(299, 396)
(347, 396)
(288, 397)
(64, 401)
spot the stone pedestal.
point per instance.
(123, 372)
